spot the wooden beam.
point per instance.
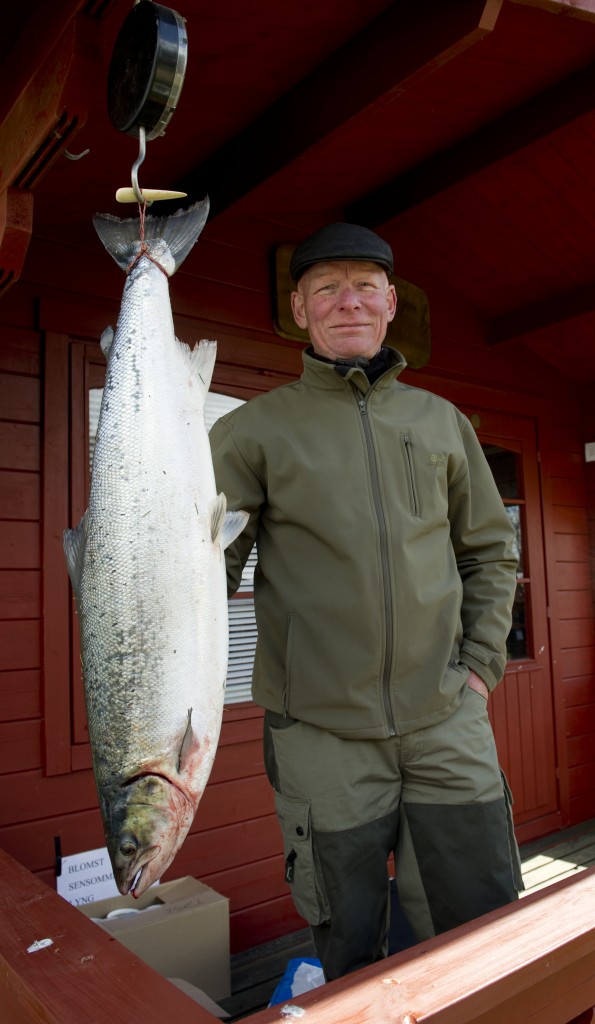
(556, 309)
(401, 46)
(51, 109)
(39, 35)
(535, 119)
(82, 974)
(40, 121)
(583, 9)
(16, 224)
(532, 962)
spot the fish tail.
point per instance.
(179, 231)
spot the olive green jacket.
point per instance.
(385, 556)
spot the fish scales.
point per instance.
(148, 569)
(151, 486)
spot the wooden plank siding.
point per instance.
(581, 689)
(568, 546)
(20, 550)
(234, 845)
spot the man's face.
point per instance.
(345, 307)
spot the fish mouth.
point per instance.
(144, 876)
(135, 878)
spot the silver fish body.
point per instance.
(148, 569)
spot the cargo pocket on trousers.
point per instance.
(515, 857)
(300, 860)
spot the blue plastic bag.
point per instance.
(301, 975)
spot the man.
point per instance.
(383, 593)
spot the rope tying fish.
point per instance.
(144, 249)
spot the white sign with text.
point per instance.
(86, 877)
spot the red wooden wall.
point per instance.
(569, 558)
(224, 292)
(581, 702)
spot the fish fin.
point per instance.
(106, 340)
(201, 360)
(234, 524)
(225, 526)
(218, 510)
(188, 744)
(75, 542)
(179, 231)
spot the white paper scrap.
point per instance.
(39, 944)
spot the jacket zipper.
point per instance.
(385, 561)
(408, 446)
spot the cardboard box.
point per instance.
(179, 928)
(200, 997)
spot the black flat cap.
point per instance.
(340, 242)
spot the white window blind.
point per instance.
(242, 623)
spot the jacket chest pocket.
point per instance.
(425, 474)
(301, 870)
(407, 446)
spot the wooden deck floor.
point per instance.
(558, 856)
(256, 972)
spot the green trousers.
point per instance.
(435, 798)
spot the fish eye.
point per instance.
(128, 846)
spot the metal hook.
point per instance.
(76, 156)
(142, 152)
(70, 156)
(129, 195)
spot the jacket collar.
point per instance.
(325, 374)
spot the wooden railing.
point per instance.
(531, 962)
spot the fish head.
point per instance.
(146, 822)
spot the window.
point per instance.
(506, 470)
(242, 622)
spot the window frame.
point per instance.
(73, 363)
(515, 447)
(518, 434)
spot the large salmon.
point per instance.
(147, 565)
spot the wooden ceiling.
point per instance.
(462, 132)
